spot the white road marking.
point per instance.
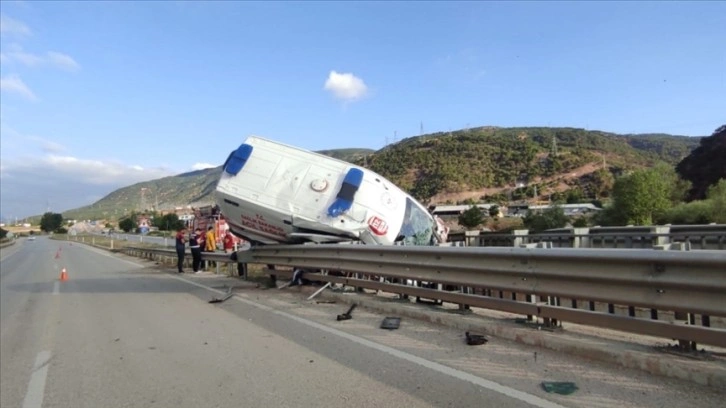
(36, 386)
(56, 287)
(451, 372)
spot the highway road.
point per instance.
(122, 333)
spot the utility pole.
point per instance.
(143, 199)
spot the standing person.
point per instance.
(196, 250)
(228, 242)
(210, 243)
(229, 248)
(180, 240)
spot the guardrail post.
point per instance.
(520, 237)
(661, 236)
(464, 308)
(531, 299)
(471, 238)
(581, 238)
(689, 318)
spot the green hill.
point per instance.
(479, 163)
(488, 161)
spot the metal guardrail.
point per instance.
(7, 243)
(530, 281)
(639, 237)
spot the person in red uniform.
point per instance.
(228, 242)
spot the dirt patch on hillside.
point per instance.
(560, 179)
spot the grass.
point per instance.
(104, 242)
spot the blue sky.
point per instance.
(99, 95)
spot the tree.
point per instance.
(553, 217)
(168, 222)
(127, 224)
(471, 217)
(603, 181)
(717, 197)
(3, 233)
(494, 211)
(580, 222)
(50, 221)
(705, 166)
(640, 197)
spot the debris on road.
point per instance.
(227, 296)
(475, 339)
(317, 292)
(391, 323)
(346, 315)
(562, 388)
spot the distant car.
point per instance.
(272, 193)
(31, 238)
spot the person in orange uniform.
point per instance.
(210, 243)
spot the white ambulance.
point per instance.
(272, 193)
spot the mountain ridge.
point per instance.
(444, 167)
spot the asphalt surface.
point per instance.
(121, 333)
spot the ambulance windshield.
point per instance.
(418, 226)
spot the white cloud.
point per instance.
(48, 146)
(202, 166)
(66, 181)
(52, 58)
(13, 84)
(24, 58)
(63, 61)
(11, 26)
(345, 86)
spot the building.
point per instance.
(570, 210)
(456, 210)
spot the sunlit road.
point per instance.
(117, 334)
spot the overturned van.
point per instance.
(272, 193)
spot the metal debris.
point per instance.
(317, 292)
(227, 296)
(475, 339)
(391, 323)
(346, 315)
(562, 388)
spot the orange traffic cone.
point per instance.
(64, 275)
